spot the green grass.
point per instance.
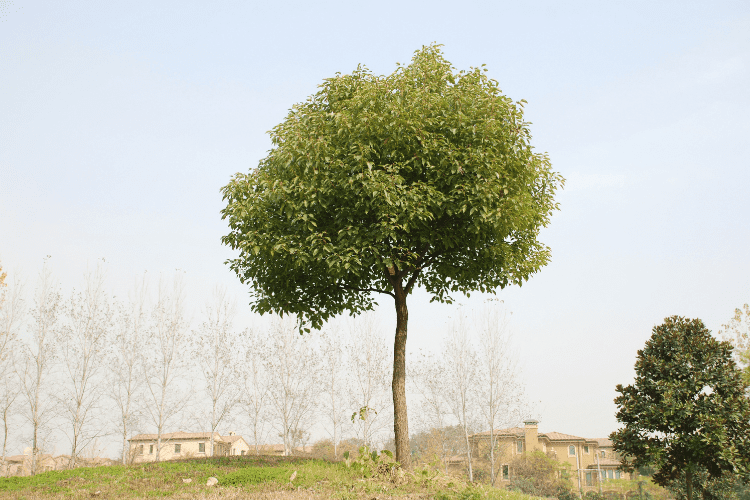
(241, 477)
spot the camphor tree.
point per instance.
(379, 184)
(687, 411)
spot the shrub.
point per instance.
(539, 475)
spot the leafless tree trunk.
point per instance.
(367, 356)
(459, 359)
(215, 347)
(428, 378)
(293, 368)
(165, 364)
(11, 317)
(332, 376)
(126, 363)
(82, 342)
(501, 393)
(37, 361)
(255, 383)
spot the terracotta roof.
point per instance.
(603, 442)
(178, 435)
(519, 431)
(513, 431)
(559, 436)
(232, 439)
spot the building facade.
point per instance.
(589, 461)
(176, 445)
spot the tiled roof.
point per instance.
(603, 442)
(559, 436)
(513, 431)
(519, 431)
(178, 435)
(232, 439)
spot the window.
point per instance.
(589, 479)
(611, 474)
(177, 448)
(140, 449)
(617, 474)
(603, 454)
(506, 472)
(604, 474)
(201, 447)
(586, 450)
(243, 452)
(519, 446)
(151, 449)
(571, 451)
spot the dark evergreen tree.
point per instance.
(686, 412)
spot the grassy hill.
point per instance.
(247, 477)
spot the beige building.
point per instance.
(175, 445)
(588, 460)
(237, 444)
(20, 465)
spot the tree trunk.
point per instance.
(400, 419)
(125, 447)
(689, 482)
(468, 452)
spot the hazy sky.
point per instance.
(121, 121)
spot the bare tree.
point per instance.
(428, 379)
(369, 373)
(460, 369)
(11, 317)
(214, 348)
(500, 390)
(293, 369)
(36, 364)
(126, 362)
(737, 331)
(164, 363)
(255, 383)
(332, 377)
(82, 341)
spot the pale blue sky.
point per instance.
(120, 122)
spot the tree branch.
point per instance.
(416, 270)
(349, 287)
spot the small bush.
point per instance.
(537, 474)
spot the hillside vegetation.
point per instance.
(247, 477)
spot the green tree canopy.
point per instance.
(377, 184)
(687, 411)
